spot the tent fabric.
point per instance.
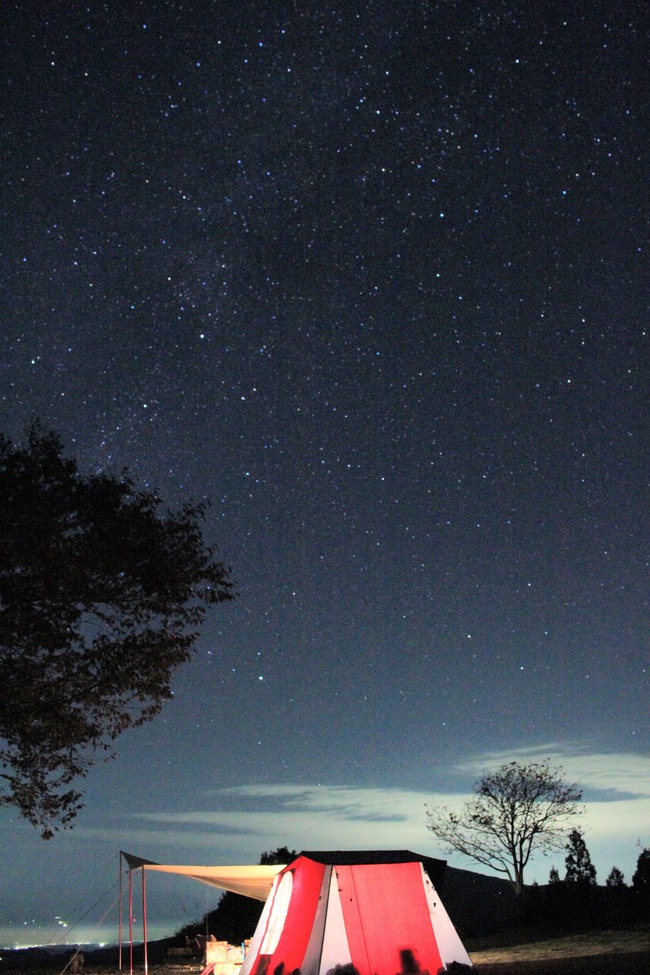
(380, 916)
(251, 881)
(434, 868)
(381, 911)
(134, 862)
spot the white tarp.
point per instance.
(251, 881)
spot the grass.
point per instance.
(595, 953)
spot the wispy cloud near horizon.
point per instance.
(307, 816)
(623, 774)
(235, 824)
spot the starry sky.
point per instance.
(371, 278)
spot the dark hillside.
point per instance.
(476, 903)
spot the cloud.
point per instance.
(623, 774)
(254, 816)
(235, 824)
(325, 803)
(310, 817)
(344, 802)
(616, 798)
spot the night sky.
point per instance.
(372, 278)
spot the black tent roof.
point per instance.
(434, 868)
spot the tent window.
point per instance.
(278, 914)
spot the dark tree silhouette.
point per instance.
(282, 855)
(579, 868)
(615, 879)
(515, 810)
(641, 878)
(102, 595)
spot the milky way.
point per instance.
(371, 278)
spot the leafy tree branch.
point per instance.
(102, 596)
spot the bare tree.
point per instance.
(514, 811)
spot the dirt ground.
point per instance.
(635, 963)
(597, 953)
(628, 963)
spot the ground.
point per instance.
(597, 953)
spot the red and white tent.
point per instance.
(378, 912)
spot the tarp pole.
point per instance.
(131, 922)
(144, 920)
(119, 919)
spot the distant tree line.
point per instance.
(519, 810)
(576, 900)
(569, 903)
